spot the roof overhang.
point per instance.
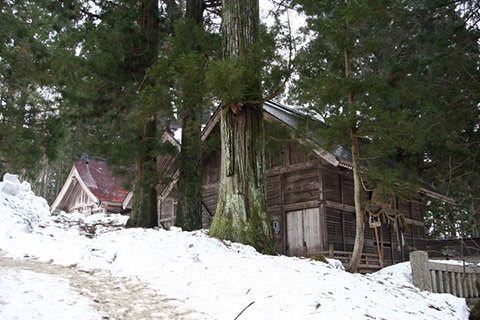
(211, 123)
(127, 203)
(437, 196)
(329, 157)
(73, 175)
(168, 137)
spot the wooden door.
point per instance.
(295, 233)
(303, 227)
(311, 230)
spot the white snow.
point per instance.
(31, 295)
(177, 134)
(218, 278)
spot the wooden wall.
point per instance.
(340, 215)
(77, 200)
(166, 209)
(312, 203)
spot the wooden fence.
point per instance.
(369, 262)
(459, 280)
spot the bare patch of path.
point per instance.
(112, 297)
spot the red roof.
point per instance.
(100, 181)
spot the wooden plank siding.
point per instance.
(312, 202)
(338, 191)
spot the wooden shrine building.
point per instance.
(91, 188)
(309, 196)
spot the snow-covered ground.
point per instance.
(215, 278)
(30, 295)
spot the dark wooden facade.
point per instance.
(310, 200)
(311, 207)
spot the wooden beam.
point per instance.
(327, 156)
(212, 122)
(339, 206)
(301, 205)
(291, 168)
(415, 222)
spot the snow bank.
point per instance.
(400, 271)
(20, 209)
(220, 278)
(27, 228)
(91, 225)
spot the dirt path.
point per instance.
(112, 297)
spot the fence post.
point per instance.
(420, 270)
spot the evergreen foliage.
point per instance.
(29, 126)
(109, 102)
(392, 72)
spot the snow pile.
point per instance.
(401, 271)
(90, 225)
(28, 230)
(222, 279)
(20, 209)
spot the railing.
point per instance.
(368, 261)
(459, 280)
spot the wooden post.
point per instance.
(441, 288)
(447, 281)
(420, 270)
(474, 285)
(434, 281)
(460, 285)
(331, 254)
(454, 283)
(380, 256)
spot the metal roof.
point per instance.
(100, 181)
(298, 121)
(342, 153)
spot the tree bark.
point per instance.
(144, 209)
(194, 11)
(241, 210)
(189, 210)
(359, 223)
(357, 184)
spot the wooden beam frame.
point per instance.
(71, 176)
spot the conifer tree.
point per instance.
(144, 208)
(29, 126)
(241, 210)
(340, 79)
(193, 64)
(436, 82)
(389, 71)
(114, 108)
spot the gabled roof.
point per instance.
(101, 181)
(306, 126)
(96, 179)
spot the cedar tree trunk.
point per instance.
(189, 210)
(359, 223)
(476, 208)
(144, 209)
(241, 210)
(357, 185)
